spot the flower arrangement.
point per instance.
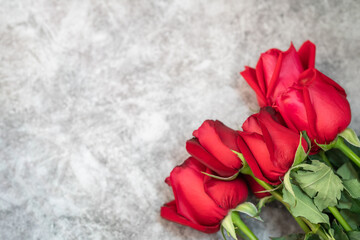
(297, 150)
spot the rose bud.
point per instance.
(277, 70)
(213, 145)
(201, 202)
(317, 105)
(268, 147)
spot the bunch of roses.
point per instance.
(279, 153)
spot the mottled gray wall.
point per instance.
(98, 98)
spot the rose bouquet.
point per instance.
(297, 150)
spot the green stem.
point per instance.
(242, 226)
(335, 212)
(278, 197)
(339, 144)
(316, 229)
(340, 218)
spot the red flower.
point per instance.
(268, 147)
(277, 70)
(317, 105)
(201, 202)
(212, 146)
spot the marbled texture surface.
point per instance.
(97, 99)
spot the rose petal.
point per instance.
(192, 202)
(307, 53)
(227, 194)
(169, 212)
(195, 149)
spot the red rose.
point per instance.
(277, 70)
(268, 147)
(317, 105)
(212, 146)
(201, 202)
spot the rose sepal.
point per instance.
(232, 220)
(300, 154)
(222, 178)
(244, 165)
(348, 135)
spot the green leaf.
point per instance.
(227, 223)
(339, 233)
(354, 235)
(311, 236)
(249, 209)
(347, 202)
(287, 182)
(300, 154)
(305, 206)
(222, 178)
(350, 179)
(347, 171)
(321, 183)
(314, 157)
(352, 187)
(344, 202)
(355, 206)
(350, 136)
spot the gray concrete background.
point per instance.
(97, 99)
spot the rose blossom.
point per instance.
(213, 145)
(201, 202)
(268, 147)
(317, 105)
(277, 70)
